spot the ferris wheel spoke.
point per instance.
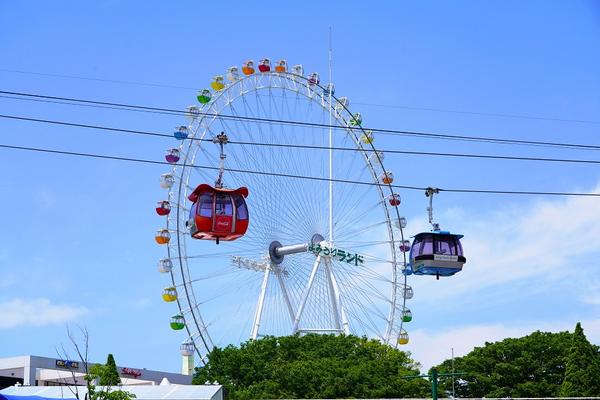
(357, 282)
(351, 233)
(356, 304)
(293, 162)
(360, 243)
(208, 276)
(348, 199)
(257, 180)
(362, 283)
(346, 192)
(299, 167)
(269, 224)
(372, 272)
(225, 288)
(349, 218)
(250, 155)
(349, 309)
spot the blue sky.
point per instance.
(76, 245)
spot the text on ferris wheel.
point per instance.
(340, 254)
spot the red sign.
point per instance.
(132, 372)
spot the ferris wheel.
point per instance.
(301, 232)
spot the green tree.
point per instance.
(107, 374)
(110, 377)
(312, 366)
(531, 366)
(583, 368)
(106, 393)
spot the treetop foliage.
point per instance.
(583, 368)
(312, 366)
(110, 377)
(536, 365)
(541, 364)
(107, 374)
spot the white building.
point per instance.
(44, 371)
(141, 392)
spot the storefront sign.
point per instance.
(68, 364)
(131, 372)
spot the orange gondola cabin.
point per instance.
(218, 213)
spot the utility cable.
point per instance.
(310, 124)
(300, 146)
(396, 106)
(312, 178)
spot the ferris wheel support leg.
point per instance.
(285, 295)
(333, 295)
(338, 297)
(311, 280)
(261, 303)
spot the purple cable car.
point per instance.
(437, 253)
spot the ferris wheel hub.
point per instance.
(317, 238)
(277, 251)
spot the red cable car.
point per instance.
(218, 213)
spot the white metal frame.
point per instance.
(198, 331)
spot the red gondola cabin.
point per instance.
(217, 213)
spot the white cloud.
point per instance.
(37, 312)
(431, 347)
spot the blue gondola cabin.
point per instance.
(437, 253)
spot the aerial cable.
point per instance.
(396, 106)
(309, 124)
(313, 178)
(316, 147)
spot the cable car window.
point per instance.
(459, 248)
(223, 205)
(442, 245)
(414, 250)
(205, 201)
(240, 206)
(427, 247)
(452, 244)
(193, 210)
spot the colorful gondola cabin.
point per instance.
(218, 213)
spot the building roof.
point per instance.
(141, 392)
(48, 368)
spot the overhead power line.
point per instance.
(478, 113)
(312, 147)
(393, 106)
(87, 78)
(578, 146)
(282, 175)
